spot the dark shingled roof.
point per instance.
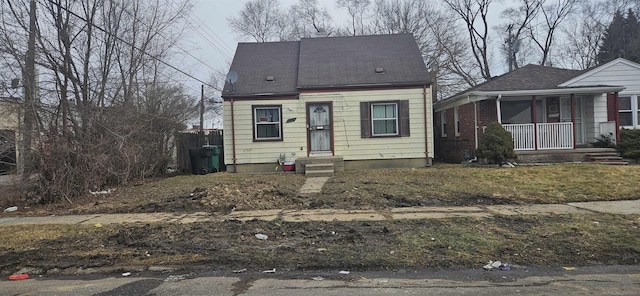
(352, 61)
(253, 62)
(329, 62)
(529, 77)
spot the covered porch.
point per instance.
(556, 121)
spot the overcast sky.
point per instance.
(212, 44)
(214, 14)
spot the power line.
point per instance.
(166, 38)
(129, 44)
(215, 36)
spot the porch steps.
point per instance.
(319, 169)
(606, 158)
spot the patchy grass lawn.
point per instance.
(457, 243)
(554, 240)
(447, 185)
(440, 185)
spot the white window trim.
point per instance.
(396, 118)
(456, 121)
(443, 123)
(256, 123)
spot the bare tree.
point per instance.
(308, 19)
(356, 10)
(543, 32)
(261, 20)
(520, 19)
(474, 15)
(107, 107)
(444, 51)
(583, 36)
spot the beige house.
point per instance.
(354, 102)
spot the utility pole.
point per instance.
(510, 47)
(29, 81)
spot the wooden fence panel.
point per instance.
(186, 141)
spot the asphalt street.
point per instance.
(603, 280)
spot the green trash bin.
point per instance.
(214, 157)
(200, 160)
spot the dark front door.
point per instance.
(319, 129)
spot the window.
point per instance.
(267, 125)
(456, 121)
(626, 113)
(384, 119)
(629, 111)
(443, 123)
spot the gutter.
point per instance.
(259, 96)
(475, 96)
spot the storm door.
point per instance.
(319, 128)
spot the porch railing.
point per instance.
(522, 135)
(549, 135)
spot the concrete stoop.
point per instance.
(606, 158)
(314, 170)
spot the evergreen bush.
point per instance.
(629, 145)
(496, 145)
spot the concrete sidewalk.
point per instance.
(626, 207)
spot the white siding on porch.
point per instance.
(600, 116)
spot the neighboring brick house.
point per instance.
(363, 101)
(549, 111)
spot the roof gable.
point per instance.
(619, 72)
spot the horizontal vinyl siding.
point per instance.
(346, 128)
(617, 75)
(347, 138)
(250, 152)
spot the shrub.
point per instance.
(604, 141)
(496, 145)
(629, 145)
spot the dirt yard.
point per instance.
(457, 243)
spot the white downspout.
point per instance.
(498, 109)
(475, 121)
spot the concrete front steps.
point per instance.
(606, 158)
(319, 166)
(319, 170)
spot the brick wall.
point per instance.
(453, 148)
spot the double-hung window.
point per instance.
(267, 123)
(629, 111)
(384, 119)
